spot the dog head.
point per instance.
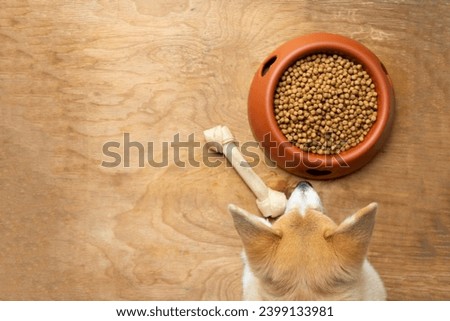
(304, 255)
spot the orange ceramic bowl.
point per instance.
(262, 117)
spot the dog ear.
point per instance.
(257, 235)
(351, 238)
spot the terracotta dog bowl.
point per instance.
(276, 145)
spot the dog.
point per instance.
(304, 255)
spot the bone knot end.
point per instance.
(274, 205)
(219, 136)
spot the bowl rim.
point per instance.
(303, 46)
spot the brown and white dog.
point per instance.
(304, 255)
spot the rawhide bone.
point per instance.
(270, 202)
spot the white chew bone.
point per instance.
(270, 202)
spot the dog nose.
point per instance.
(304, 184)
(304, 197)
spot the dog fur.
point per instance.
(304, 255)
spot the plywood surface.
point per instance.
(75, 75)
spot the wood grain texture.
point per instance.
(77, 74)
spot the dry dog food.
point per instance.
(325, 103)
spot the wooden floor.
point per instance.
(79, 74)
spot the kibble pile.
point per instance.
(325, 104)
